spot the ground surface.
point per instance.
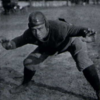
(59, 79)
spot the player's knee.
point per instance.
(30, 64)
(27, 61)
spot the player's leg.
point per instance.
(31, 65)
(78, 50)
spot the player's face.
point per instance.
(40, 31)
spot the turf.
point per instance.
(58, 78)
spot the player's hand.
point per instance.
(90, 35)
(5, 42)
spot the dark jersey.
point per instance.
(59, 37)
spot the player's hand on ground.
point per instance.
(5, 42)
(90, 35)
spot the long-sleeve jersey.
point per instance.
(59, 37)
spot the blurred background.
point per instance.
(38, 3)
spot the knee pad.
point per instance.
(27, 61)
(30, 64)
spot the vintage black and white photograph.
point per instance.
(49, 49)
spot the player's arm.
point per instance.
(88, 34)
(16, 42)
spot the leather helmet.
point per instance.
(36, 18)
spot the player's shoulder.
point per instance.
(58, 28)
(58, 23)
(54, 22)
(26, 32)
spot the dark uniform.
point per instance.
(61, 38)
(52, 38)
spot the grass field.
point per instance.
(59, 78)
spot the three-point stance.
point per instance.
(53, 36)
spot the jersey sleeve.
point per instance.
(76, 31)
(72, 30)
(24, 39)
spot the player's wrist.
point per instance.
(83, 32)
(89, 32)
